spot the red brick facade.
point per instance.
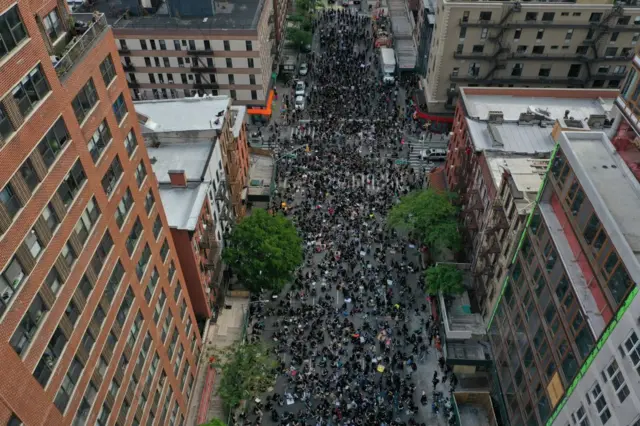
(20, 392)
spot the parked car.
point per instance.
(304, 69)
(300, 103)
(300, 88)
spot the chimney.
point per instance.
(178, 178)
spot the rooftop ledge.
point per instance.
(87, 29)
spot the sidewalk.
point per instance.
(227, 330)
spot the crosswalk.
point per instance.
(370, 183)
(418, 145)
(302, 131)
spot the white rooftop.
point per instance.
(511, 136)
(611, 188)
(183, 205)
(175, 115)
(192, 157)
(527, 172)
(238, 113)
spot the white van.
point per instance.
(433, 154)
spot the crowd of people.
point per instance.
(353, 334)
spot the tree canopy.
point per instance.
(247, 370)
(430, 216)
(444, 278)
(214, 422)
(264, 251)
(299, 37)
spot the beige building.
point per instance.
(530, 44)
(229, 53)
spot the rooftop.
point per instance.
(474, 408)
(460, 323)
(238, 114)
(232, 15)
(192, 157)
(261, 168)
(526, 175)
(183, 204)
(599, 168)
(175, 115)
(526, 116)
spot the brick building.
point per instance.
(506, 130)
(95, 324)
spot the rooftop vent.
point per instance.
(540, 113)
(496, 117)
(597, 121)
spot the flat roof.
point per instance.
(175, 115)
(192, 157)
(238, 113)
(183, 205)
(527, 172)
(513, 136)
(231, 15)
(611, 188)
(260, 174)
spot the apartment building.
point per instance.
(498, 150)
(96, 327)
(178, 50)
(580, 44)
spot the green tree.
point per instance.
(303, 6)
(247, 370)
(214, 422)
(444, 278)
(299, 37)
(430, 216)
(304, 21)
(264, 251)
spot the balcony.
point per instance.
(197, 52)
(83, 37)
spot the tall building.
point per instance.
(576, 44)
(565, 333)
(182, 49)
(96, 325)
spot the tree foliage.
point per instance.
(444, 278)
(430, 216)
(299, 37)
(264, 251)
(214, 422)
(247, 370)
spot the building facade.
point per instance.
(528, 44)
(96, 327)
(229, 51)
(563, 336)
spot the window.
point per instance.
(12, 31)
(172, 271)
(53, 142)
(517, 34)
(6, 128)
(232, 79)
(99, 141)
(85, 404)
(120, 109)
(483, 33)
(54, 282)
(49, 358)
(601, 403)
(10, 201)
(143, 261)
(232, 93)
(548, 16)
(52, 25)
(157, 227)
(250, 63)
(111, 176)
(517, 70)
(569, 34)
(164, 250)
(153, 44)
(463, 32)
(159, 306)
(227, 45)
(134, 236)
(29, 325)
(107, 70)
(123, 207)
(101, 253)
(29, 174)
(176, 292)
(30, 91)
(149, 201)
(68, 255)
(539, 35)
(10, 280)
(87, 220)
(485, 16)
(72, 312)
(85, 101)
(531, 16)
(71, 184)
(192, 45)
(130, 143)
(141, 173)
(103, 417)
(33, 243)
(537, 50)
(595, 17)
(68, 384)
(617, 381)
(610, 52)
(249, 45)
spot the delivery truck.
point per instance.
(388, 65)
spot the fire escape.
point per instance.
(490, 246)
(212, 253)
(599, 30)
(224, 205)
(202, 70)
(235, 182)
(498, 58)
